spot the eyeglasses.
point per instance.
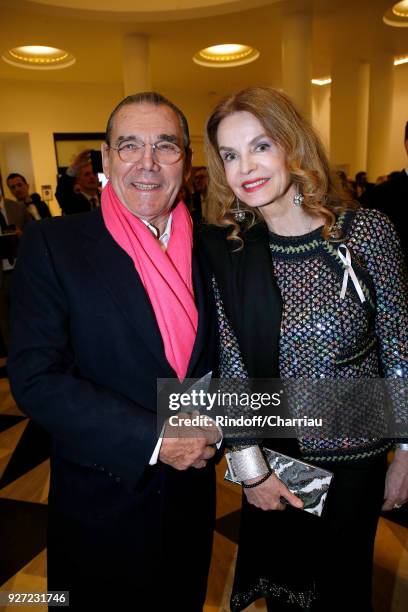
(163, 152)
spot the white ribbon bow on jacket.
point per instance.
(346, 260)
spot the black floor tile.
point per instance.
(228, 525)
(9, 420)
(399, 515)
(33, 448)
(22, 535)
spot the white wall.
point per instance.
(16, 157)
(31, 111)
(398, 157)
(39, 109)
(321, 113)
(197, 109)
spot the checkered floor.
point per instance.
(24, 481)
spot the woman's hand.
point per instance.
(396, 482)
(266, 496)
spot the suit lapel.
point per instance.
(202, 296)
(116, 271)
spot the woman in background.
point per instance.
(307, 286)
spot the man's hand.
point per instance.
(187, 446)
(396, 482)
(266, 496)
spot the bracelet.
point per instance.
(247, 463)
(403, 446)
(255, 484)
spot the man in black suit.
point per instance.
(19, 187)
(13, 219)
(78, 188)
(125, 531)
(391, 198)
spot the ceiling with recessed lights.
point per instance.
(135, 5)
(225, 56)
(163, 8)
(397, 15)
(94, 33)
(38, 57)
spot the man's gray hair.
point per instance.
(156, 99)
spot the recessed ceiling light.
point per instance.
(224, 56)
(397, 16)
(38, 57)
(401, 9)
(322, 81)
(402, 59)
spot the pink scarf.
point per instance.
(166, 276)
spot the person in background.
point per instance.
(14, 217)
(362, 188)
(105, 304)
(20, 189)
(308, 287)
(345, 183)
(391, 198)
(199, 196)
(184, 195)
(78, 188)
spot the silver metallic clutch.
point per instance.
(308, 482)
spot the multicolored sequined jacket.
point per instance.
(325, 336)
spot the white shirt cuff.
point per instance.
(155, 456)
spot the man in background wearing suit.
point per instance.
(19, 187)
(391, 198)
(78, 189)
(105, 304)
(13, 219)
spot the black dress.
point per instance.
(299, 561)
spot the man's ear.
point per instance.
(188, 165)
(406, 146)
(105, 158)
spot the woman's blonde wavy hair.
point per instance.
(305, 156)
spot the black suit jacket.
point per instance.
(17, 215)
(40, 205)
(391, 198)
(85, 357)
(71, 203)
(249, 292)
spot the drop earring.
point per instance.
(238, 213)
(298, 199)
